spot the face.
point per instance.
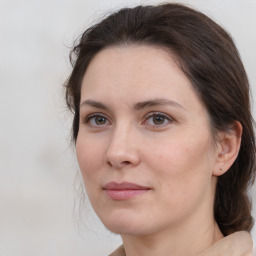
(144, 145)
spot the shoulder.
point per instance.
(236, 244)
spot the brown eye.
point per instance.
(158, 120)
(97, 120)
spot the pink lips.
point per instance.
(124, 191)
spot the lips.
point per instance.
(124, 191)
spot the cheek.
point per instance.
(182, 163)
(90, 158)
(182, 174)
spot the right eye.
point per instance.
(96, 120)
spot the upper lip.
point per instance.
(124, 186)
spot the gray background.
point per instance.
(37, 162)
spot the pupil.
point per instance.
(100, 120)
(158, 120)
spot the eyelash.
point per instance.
(94, 115)
(158, 114)
(149, 115)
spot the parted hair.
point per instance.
(209, 58)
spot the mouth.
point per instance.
(124, 191)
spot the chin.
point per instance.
(127, 224)
(127, 230)
(124, 224)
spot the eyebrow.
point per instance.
(157, 102)
(93, 103)
(138, 106)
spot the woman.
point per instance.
(163, 132)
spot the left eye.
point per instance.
(157, 119)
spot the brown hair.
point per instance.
(209, 58)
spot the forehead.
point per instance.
(136, 73)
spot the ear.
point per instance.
(228, 148)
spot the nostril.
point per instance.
(126, 162)
(108, 163)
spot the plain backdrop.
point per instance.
(39, 197)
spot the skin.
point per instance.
(168, 148)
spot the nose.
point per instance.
(122, 150)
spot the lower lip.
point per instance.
(124, 194)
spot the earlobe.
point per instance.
(228, 148)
